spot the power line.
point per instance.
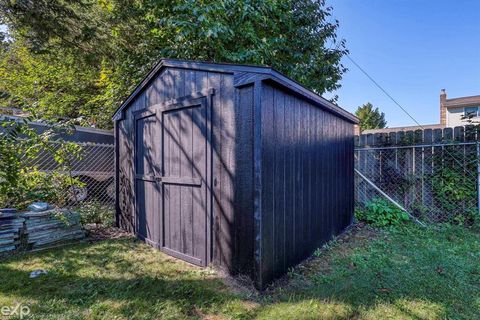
(383, 90)
(396, 103)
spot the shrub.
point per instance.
(379, 212)
(96, 212)
(21, 182)
(455, 193)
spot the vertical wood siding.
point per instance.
(307, 180)
(173, 83)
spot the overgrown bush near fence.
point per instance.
(39, 167)
(21, 180)
(433, 174)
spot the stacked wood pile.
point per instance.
(11, 226)
(52, 228)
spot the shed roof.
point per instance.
(267, 73)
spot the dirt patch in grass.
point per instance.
(97, 232)
(357, 236)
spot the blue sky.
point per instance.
(412, 48)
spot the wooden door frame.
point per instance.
(210, 214)
(138, 115)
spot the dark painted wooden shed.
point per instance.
(233, 166)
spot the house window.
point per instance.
(471, 112)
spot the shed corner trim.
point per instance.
(257, 182)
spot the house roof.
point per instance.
(462, 102)
(267, 73)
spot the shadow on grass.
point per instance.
(83, 292)
(415, 275)
(128, 276)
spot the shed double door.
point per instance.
(172, 190)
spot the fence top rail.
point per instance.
(431, 145)
(88, 144)
(81, 143)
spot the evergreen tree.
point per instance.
(370, 118)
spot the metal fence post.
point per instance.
(478, 177)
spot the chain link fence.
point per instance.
(433, 182)
(92, 167)
(75, 179)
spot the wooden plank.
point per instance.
(186, 179)
(299, 190)
(370, 140)
(279, 187)
(289, 192)
(229, 156)
(308, 178)
(338, 181)
(418, 136)
(188, 89)
(146, 160)
(427, 169)
(268, 183)
(392, 139)
(470, 133)
(448, 135)
(199, 171)
(183, 256)
(244, 197)
(459, 134)
(258, 184)
(324, 185)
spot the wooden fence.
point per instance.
(469, 133)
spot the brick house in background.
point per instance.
(452, 113)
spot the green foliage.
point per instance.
(80, 58)
(97, 213)
(370, 118)
(455, 192)
(381, 213)
(34, 185)
(56, 85)
(20, 180)
(14, 153)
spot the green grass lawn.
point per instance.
(410, 273)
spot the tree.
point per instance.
(55, 85)
(370, 118)
(113, 43)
